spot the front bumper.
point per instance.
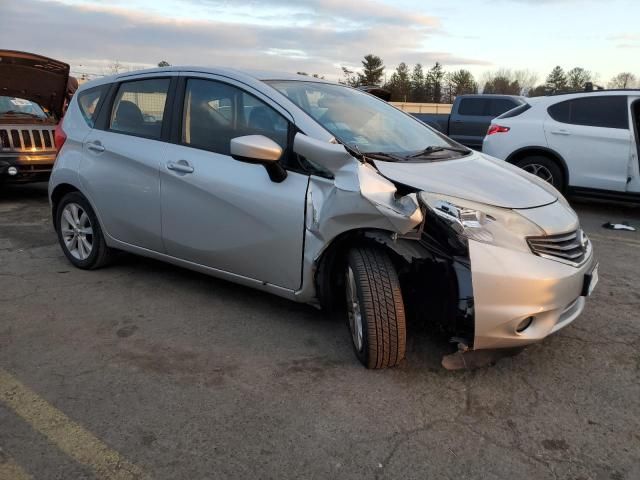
(511, 286)
(30, 167)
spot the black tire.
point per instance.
(544, 167)
(382, 313)
(100, 255)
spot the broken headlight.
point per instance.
(503, 227)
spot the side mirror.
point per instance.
(255, 149)
(262, 150)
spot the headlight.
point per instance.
(483, 223)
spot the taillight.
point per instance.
(497, 129)
(59, 137)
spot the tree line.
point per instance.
(435, 85)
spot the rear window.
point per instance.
(88, 101)
(139, 106)
(473, 106)
(604, 111)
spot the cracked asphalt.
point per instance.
(189, 377)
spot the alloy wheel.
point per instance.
(77, 232)
(539, 171)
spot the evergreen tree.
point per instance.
(433, 83)
(399, 84)
(557, 80)
(417, 84)
(372, 70)
(460, 82)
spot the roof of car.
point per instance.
(557, 98)
(261, 75)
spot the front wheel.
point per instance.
(375, 308)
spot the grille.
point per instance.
(26, 140)
(572, 248)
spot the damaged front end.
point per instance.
(358, 205)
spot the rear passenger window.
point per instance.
(139, 107)
(498, 106)
(216, 112)
(560, 111)
(604, 111)
(473, 106)
(88, 102)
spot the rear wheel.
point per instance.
(79, 233)
(544, 168)
(375, 308)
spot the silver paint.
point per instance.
(226, 218)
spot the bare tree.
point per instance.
(507, 81)
(624, 80)
(349, 77)
(578, 77)
(115, 68)
(526, 79)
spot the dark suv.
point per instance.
(32, 98)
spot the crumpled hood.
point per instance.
(35, 78)
(477, 177)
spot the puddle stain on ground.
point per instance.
(183, 365)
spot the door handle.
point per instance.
(561, 132)
(96, 147)
(180, 166)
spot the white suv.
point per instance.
(586, 143)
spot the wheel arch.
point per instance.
(332, 261)
(551, 154)
(57, 194)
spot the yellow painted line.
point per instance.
(67, 435)
(10, 470)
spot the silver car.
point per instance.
(321, 194)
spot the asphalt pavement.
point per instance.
(146, 370)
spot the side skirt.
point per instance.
(213, 272)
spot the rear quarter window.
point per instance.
(514, 112)
(88, 102)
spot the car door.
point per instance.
(468, 125)
(592, 135)
(121, 161)
(221, 212)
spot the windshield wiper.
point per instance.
(384, 156)
(438, 148)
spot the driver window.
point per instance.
(216, 112)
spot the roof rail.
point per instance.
(590, 89)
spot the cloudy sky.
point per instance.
(318, 36)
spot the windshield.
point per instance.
(19, 107)
(362, 121)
